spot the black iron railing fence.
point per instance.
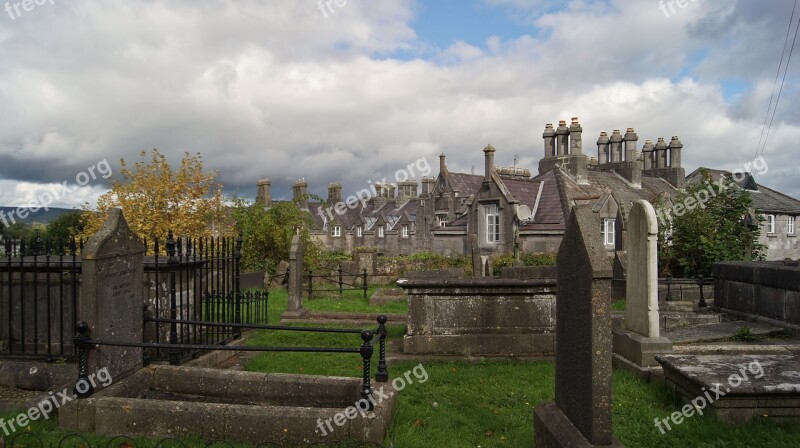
(84, 343)
(186, 279)
(335, 279)
(679, 289)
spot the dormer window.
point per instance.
(336, 231)
(359, 231)
(405, 230)
(381, 232)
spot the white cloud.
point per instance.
(276, 89)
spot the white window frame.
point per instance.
(442, 220)
(607, 230)
(381, 232)
(790, 227)
(492, 223)
(359, 231)
(770, 224)
(336, 231)
(405, 230)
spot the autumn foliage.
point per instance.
(155, 199)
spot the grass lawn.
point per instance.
(349, 302)
(483, 404)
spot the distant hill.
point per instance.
(40, 217)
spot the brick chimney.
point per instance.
(334, 193)
(602, 149)
(488, 157)
(562, 138)
(575, 138)
(263, 195)
(300, 194)
(549, 137)
(631, 138)
(616, 146)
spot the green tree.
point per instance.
(711, 222)
(64, 227)
(267, 234)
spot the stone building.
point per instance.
(505, 208)
(779, 229)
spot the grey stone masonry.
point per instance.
(294, 307)
(111, 295)
(581, 413)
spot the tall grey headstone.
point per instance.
(581, 413)
(111, 295)
(294, 308)
(640, 340)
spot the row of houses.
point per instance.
(507, 208)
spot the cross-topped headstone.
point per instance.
(294, 308)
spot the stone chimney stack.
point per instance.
(647, 154)
(602, 149)
(442, 166)
(575, 138)
(427, 185)
(630, 145)
(300, 194)
(549, 137)
(263, 194)
(334, 193)
(675, 147)
(488, 157)
(616, 146)
(562, 138)
(661, 154)
(407, 189)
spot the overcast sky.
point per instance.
(291, 88)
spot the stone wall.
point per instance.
(768, 289)
(480, 316)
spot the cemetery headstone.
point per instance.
(111, 295)
(640, 340)
(581, 414)
(294, 308)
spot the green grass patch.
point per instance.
(348, 302)
(618, 305)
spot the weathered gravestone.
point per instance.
(294, 308)
(581, 413)
(478, 268)
(640, 340)
(111, 295)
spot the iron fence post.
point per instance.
(310, 284)
(365, 283)
(173, 311)
(702, 303)
(83, 387)
(669, 288)
(237, 255)
(340, 279)
(382, 374)
(366, 355)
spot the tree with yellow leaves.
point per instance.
(156, 199)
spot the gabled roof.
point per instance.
(765, 200)
(465, 184)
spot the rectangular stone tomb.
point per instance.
(274, 408)
(480, 316)
(737, 388)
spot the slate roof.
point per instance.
(465, 184)
(765, 200)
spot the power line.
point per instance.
(775, 83)
(783, 81)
